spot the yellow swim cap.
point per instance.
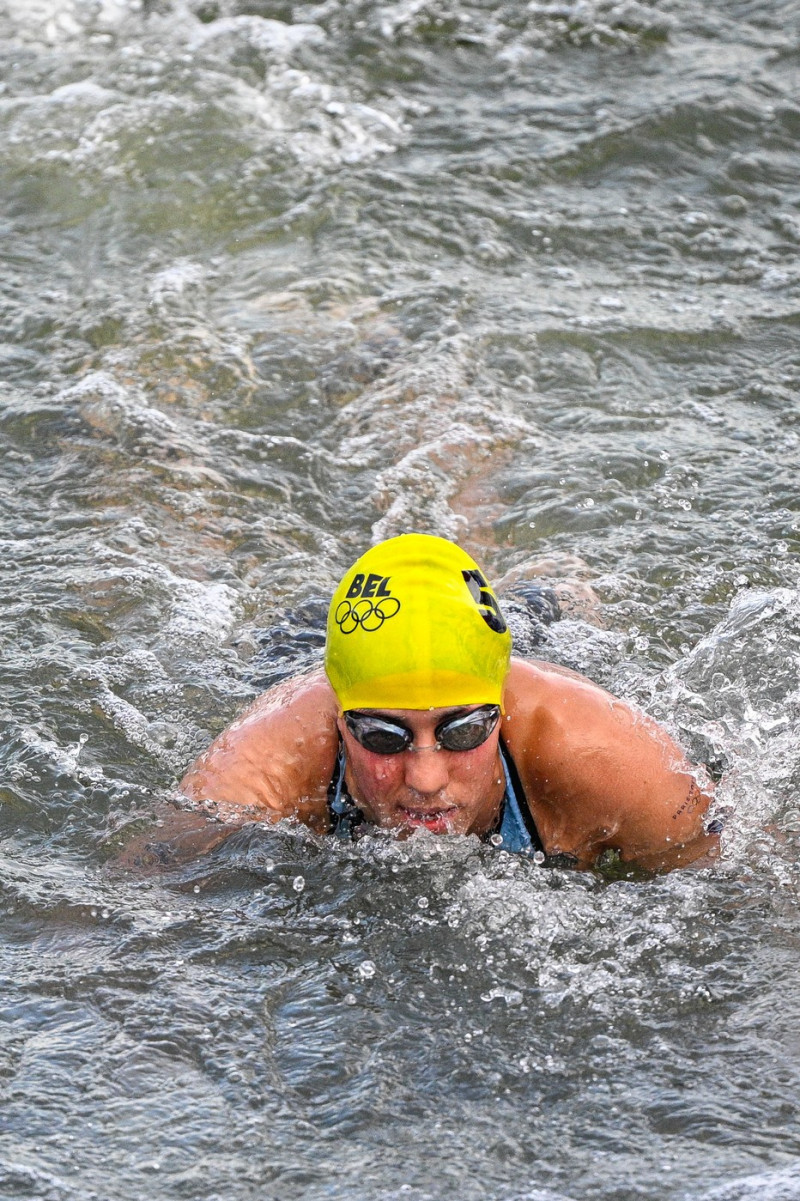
(415, 625)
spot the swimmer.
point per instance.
(422, 722)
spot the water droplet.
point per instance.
(350, 999)
(539, 857)
(422, 902)
(299, 883)
(511, 996)
(367, 969)
(496, 840)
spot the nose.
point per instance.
(426, 771)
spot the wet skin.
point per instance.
(446, 792)
(596, 774)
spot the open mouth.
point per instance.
(438, 821)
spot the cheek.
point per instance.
(477, 774)
(480, 762)
(376, 775)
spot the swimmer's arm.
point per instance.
(604, 777)
(273, 762)
(662, 821)
(276, 760)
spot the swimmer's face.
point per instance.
(446, 792)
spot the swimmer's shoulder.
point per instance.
(534, 686)
(296, 699)
(553, 711)
(567, 735)
(277, 758)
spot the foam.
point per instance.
(782, 1184)
(275, 38)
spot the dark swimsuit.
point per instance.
(514, 831)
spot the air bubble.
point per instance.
(299, 883)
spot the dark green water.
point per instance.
(278, 280)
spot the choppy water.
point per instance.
(282, 278)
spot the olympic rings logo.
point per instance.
(370, 615)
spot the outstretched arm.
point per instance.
(601, 776)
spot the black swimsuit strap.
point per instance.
(519, 798)
(343, 813)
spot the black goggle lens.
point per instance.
(384, 737)
(470, 731)
(379, 736)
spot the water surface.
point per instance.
(282, 279)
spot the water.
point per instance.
(280, 279)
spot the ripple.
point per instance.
(282, 280)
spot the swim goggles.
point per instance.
(383, 737)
